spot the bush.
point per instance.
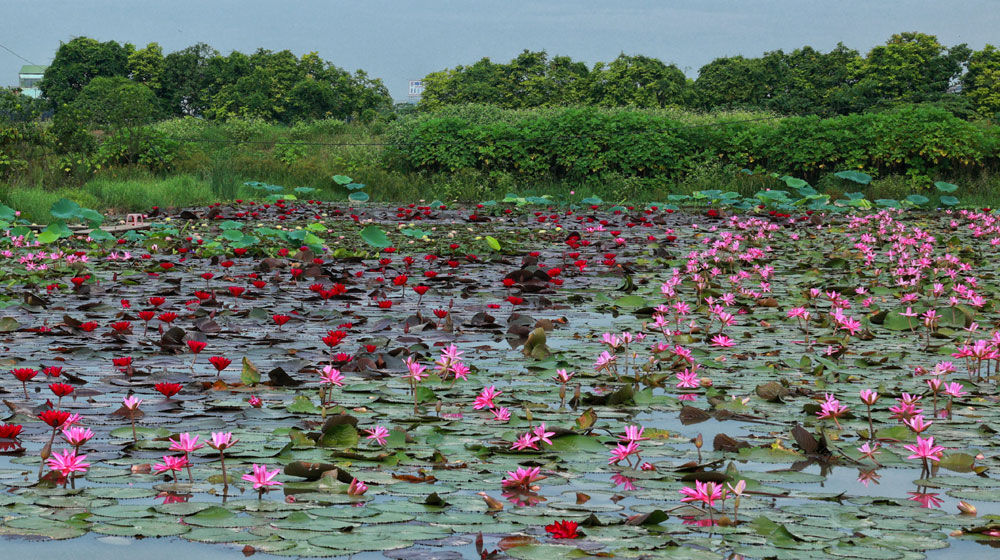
(137, 146)
(574, 144)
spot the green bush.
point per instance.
(919, 141)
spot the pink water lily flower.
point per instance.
(501, 414)
(67, 462)
(705, 492)
(331, 376)
(925, 449)
(186, 443)
(131, 402)
(917, 423)
(261, 477)
(542, 435)
(378, 433)
(622, 452)
(633, 433)
(222, 441)
(77, 436)
(523, 477)
(357, 488)
(485, 398)
(174, 464)
(525, 441)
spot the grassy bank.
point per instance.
(210, 162)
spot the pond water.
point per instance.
(720, 367)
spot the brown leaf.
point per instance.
(804, 439)
(415, 479)
(693, 415)
(723, 442)
(515, 541)
(582, 498)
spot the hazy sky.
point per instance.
(402, 40)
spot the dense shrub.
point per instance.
(919, 141)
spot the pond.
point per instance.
(433, 381)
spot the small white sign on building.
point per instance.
(416, 88)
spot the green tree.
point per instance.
(77, 63)
(145, 66)
(981, 84)
(734, 81)
(638, 81)
(186, 79)
(910, 67)
(18, 108)
(117, 103)
(811, 82)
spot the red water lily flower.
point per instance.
(168, 389)
(421, 289)
(167, 317)
(89, 326)
(563, 530)
(53, 371)
(54, 418)
(61, 389)
(24, 375)
(196, 346)
(279, 319)
(157, 301)
(236, 291)
(124, 363)
(120, 327)
(220, 363)
(10, 431)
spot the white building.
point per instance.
(28, 78)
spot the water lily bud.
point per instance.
(437, 407)
(966, 508)
(698, 441)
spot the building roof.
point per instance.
(33, 69)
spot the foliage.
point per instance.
(981, 84)
(77, 63)
(116, 103)
(909, 67)
(18, 108)
(919, 141)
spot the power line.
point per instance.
(17, 55)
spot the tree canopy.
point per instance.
(199, 81)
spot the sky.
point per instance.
(403, 40)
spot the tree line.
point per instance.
(909, 68)
(113, 81)
(110, 81)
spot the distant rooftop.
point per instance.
(33, 69)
